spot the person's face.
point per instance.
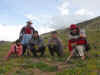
(18, 43)
(54, 35)
(35, 35)
(74, 30)
(29, 24)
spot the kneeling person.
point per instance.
(55, 45)
(77, 41)
(37, 44)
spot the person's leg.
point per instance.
(51, 50)
(42, 50)
(80, 49)
(24, 49)
(56, 48)
(70, 56)
(33, 50)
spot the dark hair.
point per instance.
(54, 32)
(18, 41)
(36, 32)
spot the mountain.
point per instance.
(47, 65)
(89, 25)
(3, 42)
(92, 28)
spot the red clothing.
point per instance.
(17, 52)
(28, 30)
(79, 41)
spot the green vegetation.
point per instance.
(48, 65)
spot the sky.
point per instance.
(46, 15)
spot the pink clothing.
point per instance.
(18, 51)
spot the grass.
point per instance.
(48, 65)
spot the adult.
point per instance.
(77, 41)
(37, 45)
(26, 35)
(16, 48)
(55, 45)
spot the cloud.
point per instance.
(84, 12)
(70, 15)
(41, 23)
(9, 32)
(68, 12)
(31, 17)
(63, 8)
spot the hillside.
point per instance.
(48, 65)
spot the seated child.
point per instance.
(16, 48)
(55, 45)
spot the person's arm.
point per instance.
(41, 42)
(32, 30)
(10, 52)
(22, 31)
(61, 46)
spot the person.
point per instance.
(26, 34)
(77, 41)
(37, 45)
(55, 45)
(16, 48)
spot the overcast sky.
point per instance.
(46, 15)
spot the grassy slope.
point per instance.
(47, 65)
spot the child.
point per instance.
(55, 45)
(16, 49)
(37, 44)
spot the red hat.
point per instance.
(73, 26)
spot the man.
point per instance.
(37, 45)
(55, 45)
(77, 41)
(26, 34)
(16, 48)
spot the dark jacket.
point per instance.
(26, 30)
(58, 43)
(37, 41)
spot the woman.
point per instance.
(37, 44)
(16, 49)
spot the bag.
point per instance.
(87, 46)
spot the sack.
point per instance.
(87, 46)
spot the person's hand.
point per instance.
(36, 47)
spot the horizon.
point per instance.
(45, 15)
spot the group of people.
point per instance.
(30, 40)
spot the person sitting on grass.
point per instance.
(16, 49)
(55, 45)
(37, 45)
